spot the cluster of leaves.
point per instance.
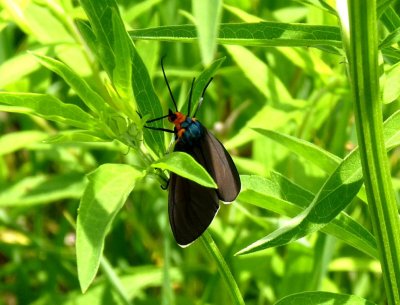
(80, 89)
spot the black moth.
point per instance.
(191, 206)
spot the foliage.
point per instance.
(78, 82)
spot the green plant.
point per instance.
(86, 82)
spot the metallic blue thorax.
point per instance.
(193, 131)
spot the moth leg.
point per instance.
(166, 185)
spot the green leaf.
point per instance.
(47, 29)
(73, 136)
(100, 16)
(312, 153)
(86, 31)
(50, 30)
(311, 62)
(200, 83)
(207, 15)
(242, 15)
(186, 166)
(277, 119)
(137, 10)
(108, 188)
(282, 196)
(147, 101)
(107, 26)
(323, 159)
(93, 100)
(322, 298)
(261, 75)
(321, 4)
(251, 34)
(341, 187)
(14, 141)
(391, 39)
(47, 107)
(391, 90)
(122, 73)
(112, 44)
(336, 193)
(41, 189)
(383, 5)
(15, 68)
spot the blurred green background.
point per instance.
(299, 91)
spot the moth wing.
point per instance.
(219, 164)
(191, 209)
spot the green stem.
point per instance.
(114, 281)
(361, 42)
(223, 268)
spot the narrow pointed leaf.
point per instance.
(100, 17)
(47, 107)
(312, 153)
(93, 100)
(107, 26)
(86, 31)
(337, 192)
(282, 196)
(250, 34)
(122, 74)
(73, 136)
(42, 189)
(147, 102)
(323, 298)
(200, 83)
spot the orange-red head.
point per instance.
(177, 118)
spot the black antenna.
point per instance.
(190, 97)
(160, 129)
(202, 97)
(157, 119)
(166, 80)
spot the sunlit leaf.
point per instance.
(186, 166)
(250, 34)
(107, 190)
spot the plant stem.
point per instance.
(114, 280)
(362, 52)
(223, 268)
